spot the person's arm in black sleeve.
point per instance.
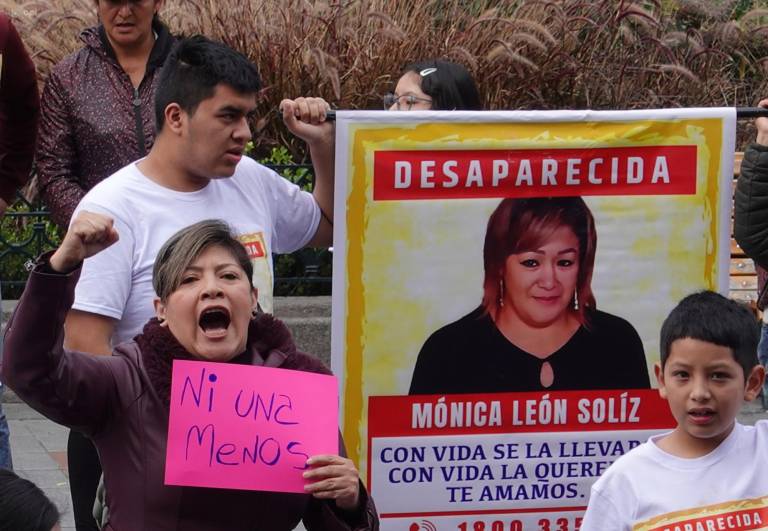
(750, 227)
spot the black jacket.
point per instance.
(750, 224)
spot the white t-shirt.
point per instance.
(268, 213)
(649, 489)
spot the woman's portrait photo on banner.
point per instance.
(538, 326)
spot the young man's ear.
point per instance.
(174, 118)
(660, 378)
(754, 383)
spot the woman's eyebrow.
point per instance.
(216, 268)
(564, 251)
(224, 266)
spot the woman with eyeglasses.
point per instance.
(434, 85)
(538, 326)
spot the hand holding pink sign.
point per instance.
(251, 428)
(334, 478)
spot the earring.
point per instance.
(254, 313)
(501, 293)
(575, 300)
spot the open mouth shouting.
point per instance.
(214, 322)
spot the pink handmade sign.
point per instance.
(250, 428)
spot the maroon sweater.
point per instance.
(19, 111)
(121, 402)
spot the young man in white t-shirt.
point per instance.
(710, 472)
(196, 171)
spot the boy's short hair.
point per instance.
(193, 69)
(708, 316)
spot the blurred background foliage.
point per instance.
(524, 54)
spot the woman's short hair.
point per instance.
(184, 247)
(450, 85)
(23, 506)
(521, 225)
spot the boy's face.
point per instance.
(705, 388)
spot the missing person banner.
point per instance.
(502, 253)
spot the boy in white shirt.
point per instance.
(710, 472)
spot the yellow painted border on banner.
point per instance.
(364, 139)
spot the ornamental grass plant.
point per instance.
(524, 54)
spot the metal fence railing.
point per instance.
(26, 231)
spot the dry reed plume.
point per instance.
(525, 54)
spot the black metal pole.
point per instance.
(742, 113)
(746, 113)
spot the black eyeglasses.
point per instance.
(406, 100)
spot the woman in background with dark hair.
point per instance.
(24, 507)
(98, 103)
(538, 326)
(435, 85)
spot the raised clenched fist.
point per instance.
(88, 234)
(305, 118)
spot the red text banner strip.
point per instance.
(565, 411)
(454, 174)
